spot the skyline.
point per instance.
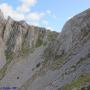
(44, 13)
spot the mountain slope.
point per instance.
(39, 59)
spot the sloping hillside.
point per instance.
(34, 58)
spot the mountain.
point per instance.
(34, 58)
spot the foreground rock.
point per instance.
(38, 59)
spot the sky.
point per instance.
(51, 14)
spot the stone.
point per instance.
(34, 58)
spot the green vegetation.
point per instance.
(3, 71)
(76, 83)
(9, 57)
(54, 63)
(59, 60)
(52, 35)
(57, 63)
(24, 51)
(39, 42)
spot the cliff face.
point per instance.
(18, 39)
(34, 58)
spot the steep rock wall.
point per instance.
(38, 59)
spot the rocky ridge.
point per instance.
(34, 58)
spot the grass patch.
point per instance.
(76, 83)
(3, 71)
(39, 42)
(24, 51)
(9, 58)
(53, 64)
(57, 64)
(52, 35)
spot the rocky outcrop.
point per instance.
(19, 35)
(39, 59)
(18, 39)
(71, 53)
(2, 45)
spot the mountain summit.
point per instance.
(34, 58)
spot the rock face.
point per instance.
(2, 46)
(34, 58)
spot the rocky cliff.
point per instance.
(34, 58)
